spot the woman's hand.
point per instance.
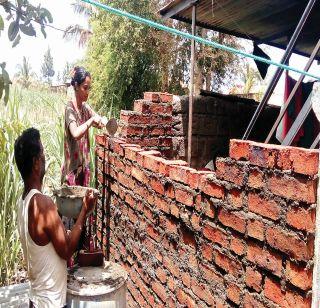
(89, 201)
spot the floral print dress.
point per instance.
(76, 167)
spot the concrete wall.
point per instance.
(240, 236)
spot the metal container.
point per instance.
(69, 199)
(93, 287)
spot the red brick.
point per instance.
(195, 222)
(174, 210)
(263, 155)
(299, 276)
(165, 164)
(150, 162)
(265, 259)
(161, 274)
(170, 225)
(171, 266)
(233, 220)
(253, 279)
(272, 290)
(256, 229)
(290, 244)
(207, 251)
(210, 274)
(234, 293)
(295, 188)
(202, 292)
(156, 185)
(302, 219)
(115, 146)
(256, 179)
(212, 189)
(185, 299)
(194, 177)
(231, 266)
(153, 233)
(160, 290)
(186, 279)
(208, 207)
(184, 196)
(237, 245)
(147, 107)
(131, 117)
(133, 130)
(264, 207)
(162, 204)
(171, 284)
(215, 235)
(251, 302)
(283, 159)
(304, 161)
(101, 140)
(239, 149)
(139, 175)
(230, 171)
(158, 97)
(179, 173)
(156, 131)
(235, 197)
(141, 155)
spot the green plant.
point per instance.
(12, 122)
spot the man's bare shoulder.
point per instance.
(43, 203)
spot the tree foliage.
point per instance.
(22, 16)
(47, 70)
(127, 58)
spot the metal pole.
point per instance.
(191, 92)
(293, 92)
(279, 70)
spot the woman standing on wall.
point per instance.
(79, 117)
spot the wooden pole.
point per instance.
(191, 92)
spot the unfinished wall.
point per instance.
(216, 119)
(240, 236)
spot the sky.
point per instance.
(35, 47)
(62, 51)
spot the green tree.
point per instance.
(25, 73)
(47, 70)
(22, 16)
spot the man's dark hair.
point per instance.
(26, 147)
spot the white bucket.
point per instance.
(93, 287)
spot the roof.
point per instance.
(265, 21)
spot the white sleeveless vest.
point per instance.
(47, 271)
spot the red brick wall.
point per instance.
(242, 236)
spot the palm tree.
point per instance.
(76, 31)
(25, 73)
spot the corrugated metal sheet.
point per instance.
(265, 21)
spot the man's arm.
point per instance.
(64, 244)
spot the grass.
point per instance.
(44, 111)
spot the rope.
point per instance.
(196, 38)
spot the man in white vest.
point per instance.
(45, 242)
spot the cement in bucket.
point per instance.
(93, 287)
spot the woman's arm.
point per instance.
(78, 131)
(93, 113)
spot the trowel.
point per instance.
(110, 125)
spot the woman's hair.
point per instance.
(79, 75)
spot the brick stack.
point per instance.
(150, 123)
(240, 236)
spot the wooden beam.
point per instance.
(180, 7)
(191, 93)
